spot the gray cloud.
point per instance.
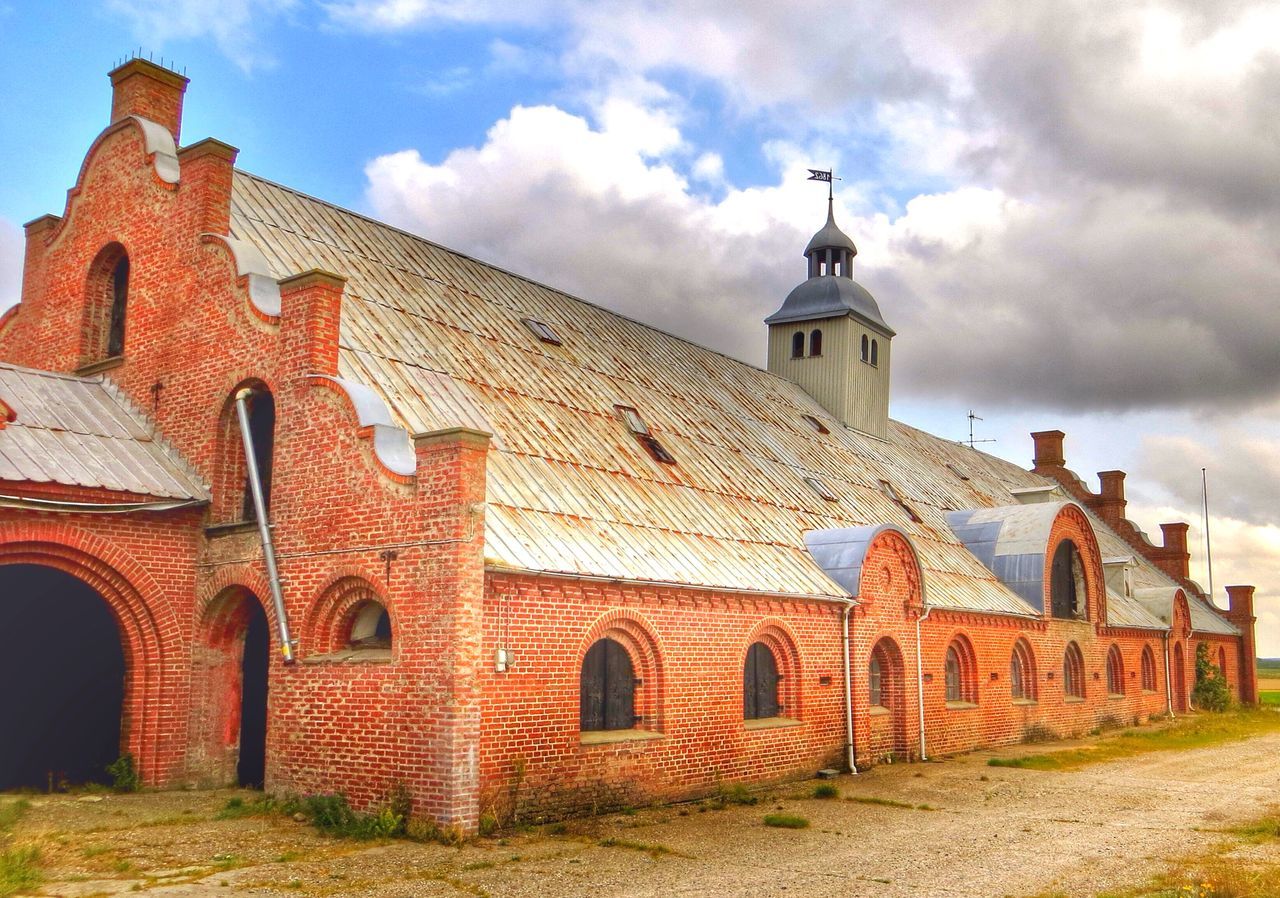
(1243, 471)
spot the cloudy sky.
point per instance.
(1069, 211)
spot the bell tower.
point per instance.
(830, 338)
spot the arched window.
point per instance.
(866, 348)
(875, 682)
(1066, 582)
(608, 688)
(262, 430)
(1115, 671)
(119, 298)
(1073, 672)
(1022, 672)
(1148, 669)
(961, 679)
(370, 627)
(875, 352)
(815, 342)
(797, 345)
(760, 683)
(106, 301)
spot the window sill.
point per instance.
(609, 737)
(771, 723)
(98, 367)
(351, 656)
(215, 530)
(961, 706)
(878, 711)
(1073, 700)
(1025, 701)
(1115, 696)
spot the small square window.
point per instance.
(632, 419)
(954, 470)
(542, 331)
(821, 489)
(816, 424)
(634, 423)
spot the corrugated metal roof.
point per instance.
(440, 337)
(84, 432)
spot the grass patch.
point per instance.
(649, 848)
(19, 870)
(1259, 830)
(1269, 698)
(1184, 734)
(825, 790)
(11, 812)
(786, 821)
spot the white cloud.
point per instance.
(12, 247)
(236, 26)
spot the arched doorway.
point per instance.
(63, 670)
(230, 702)
(1179, 678)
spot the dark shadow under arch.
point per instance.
(63, 675)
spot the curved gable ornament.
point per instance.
(1013, 542)
(161, 148)
(391, 443)
(264, 289)
(841, 553)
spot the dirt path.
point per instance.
(995, 832)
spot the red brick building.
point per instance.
(529, 555)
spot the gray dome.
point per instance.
(829, 296)
(831, 237)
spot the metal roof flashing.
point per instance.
(830, 296)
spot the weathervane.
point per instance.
(819, 175)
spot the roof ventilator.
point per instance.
(640, 430)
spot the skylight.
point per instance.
(542, 331)
(634, 423)
(821, 489)
(954, 470)
(891, 492)
(816, 424)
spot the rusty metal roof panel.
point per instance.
(570, 489)
(84, 432)
(1123, 611)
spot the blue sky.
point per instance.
(1068, 211)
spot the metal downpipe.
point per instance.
(264, 527)
(848, 693)
(1168, 682)
(920, 678)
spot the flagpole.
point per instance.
(1208, 544)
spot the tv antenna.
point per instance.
(971, 440)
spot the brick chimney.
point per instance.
(1048, 449)
(1174, 558)
(142, 88)
(1240, 613)
(1111, 503)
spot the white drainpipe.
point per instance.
(1168, 682)
(848, 693)
(264, 528)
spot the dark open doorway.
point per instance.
(251, 769)
(63, 669)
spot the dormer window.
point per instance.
(1066, 582)
(636, 424)
(542, 331)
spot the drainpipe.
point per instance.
(1168, 682)
(848, 693)
(920, 677)
(264, 528)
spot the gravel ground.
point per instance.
(988, 832)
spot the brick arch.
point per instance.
(638, 637)
(968, 659)
(888, 732)
(327, 624)
(781, 640)
(150, 632)
(232, 577)
(1071, 523)
(229, 468)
